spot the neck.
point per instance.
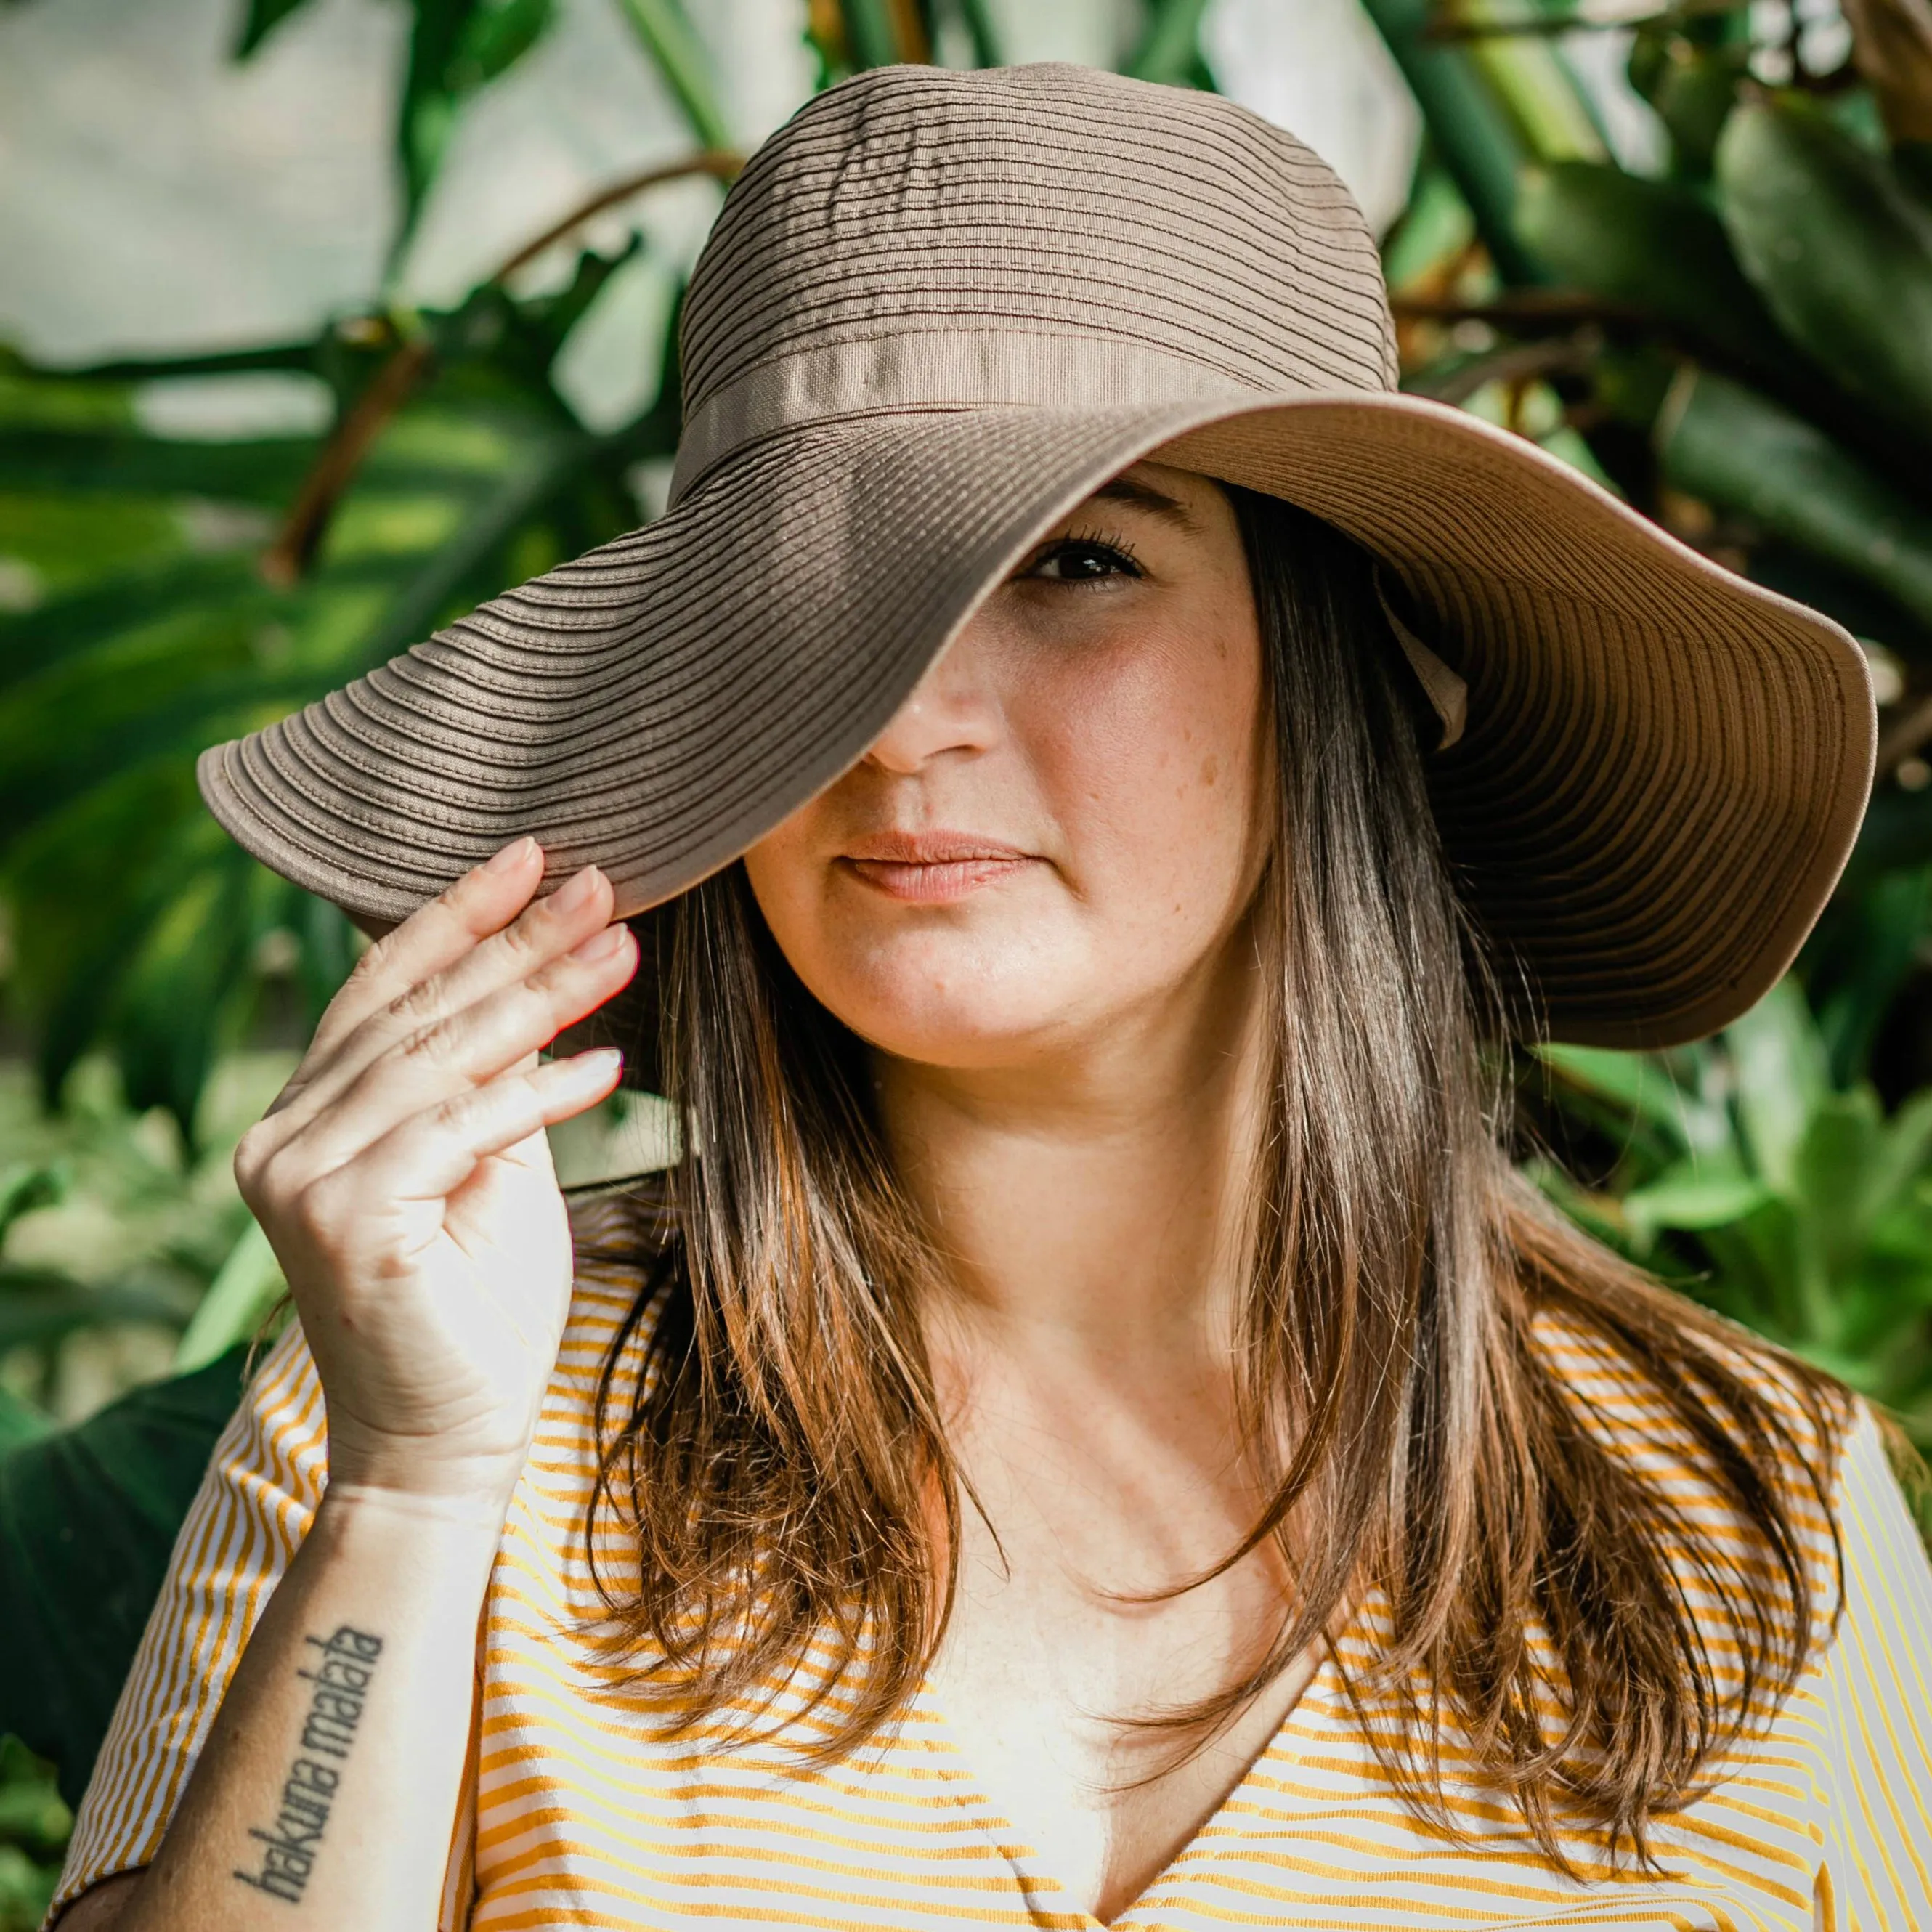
(1086, 1199)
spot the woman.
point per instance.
(1090, 1429)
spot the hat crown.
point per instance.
(1048, 201)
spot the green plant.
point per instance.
(182, 592)
(1738, 345)
(34, 1822)
(87, 1518)
(1796, 1206)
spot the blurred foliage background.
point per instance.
(1687, 247)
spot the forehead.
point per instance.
(1176, 497)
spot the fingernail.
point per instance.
(513, 855)
(600, 946)
(601, 1060)
(577, 890)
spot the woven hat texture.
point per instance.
(938, 310)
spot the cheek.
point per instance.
(1149, 761)
(1132, 762)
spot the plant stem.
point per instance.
(666, 34)
(288, 558)
(1478, 142)
(985, 36)
(294, 548)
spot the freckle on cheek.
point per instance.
(1210, 769)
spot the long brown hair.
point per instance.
(774, 1450)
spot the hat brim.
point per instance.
(1662, 770)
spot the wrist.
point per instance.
(438, 1550)
(459, 1482)
(478, 1511)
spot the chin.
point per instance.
(968, 1012)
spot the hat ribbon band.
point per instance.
(941, 369)
(954, 368)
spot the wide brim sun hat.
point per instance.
(938, 310)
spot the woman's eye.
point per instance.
(1083, 560)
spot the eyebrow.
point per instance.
(1156, 503)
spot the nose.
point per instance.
(952, 710)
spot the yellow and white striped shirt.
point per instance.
(575, 1812)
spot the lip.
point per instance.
(932, 867)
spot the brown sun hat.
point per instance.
(938, 310)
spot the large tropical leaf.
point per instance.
(1657, 248)
(1842, 253)
(1721, 441)
(88, 1517)
(1479, 143)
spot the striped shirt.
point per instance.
(576, 1811)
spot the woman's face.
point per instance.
(1064, 825)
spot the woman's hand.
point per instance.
(404, 1181)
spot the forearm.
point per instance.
(327, 1791)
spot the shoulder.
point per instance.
(620, 1239)
(618, 1292)
(1887, 1577)
(1718, 1418)
(1667, 1416)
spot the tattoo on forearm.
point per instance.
(341, 1678)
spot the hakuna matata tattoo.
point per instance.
(341, 1679)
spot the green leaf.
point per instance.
(985, 36)
(87, 1518)
(1691, 1197)
(667, 37)
(1640, 1086)
(20, 1421)
(1831, 1177)
(1529, 75)
(110, 382)
(1477, 139)
(427, 599)
(126, 462)
(1721, 442)
(1690, 71)
(1899, 1161)
(239, 1299)
(1758, 1266)
(1169, 48)
(38, 1307)
(262, 18)
(125, 708)
(1654, 246)
(26, 1185)
(31, 1814)
(188, 988)
(869, 37)
(426, 115)
(1599, 1215)
(138, 919)
(64, 627)
(1778, 1061)
(1862, 953)
(498, 37)
(1843, 255)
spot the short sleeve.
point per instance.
(1877, 1875)
(253, 1508)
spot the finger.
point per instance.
(546, 930)
(433, 937)
(458, 1052)
(542, 932)
(429, 1155)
